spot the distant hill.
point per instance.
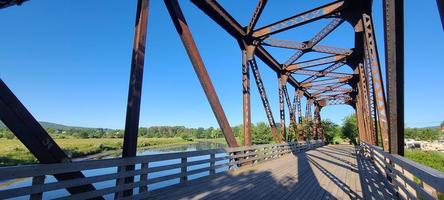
(52, 125)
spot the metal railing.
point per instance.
(410, 179)
(175, 168)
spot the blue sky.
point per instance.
(69, 62)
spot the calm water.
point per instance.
(105, 184)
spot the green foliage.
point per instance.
(433, 159)
(332, 131)
(261, 133)
(4, 133)
(350, 128)
(426, 134)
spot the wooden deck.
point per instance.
(329, 172)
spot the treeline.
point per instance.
(150, 132)
(261, 132)
(424, 134)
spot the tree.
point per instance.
(261, 133)
(350, 129)
(331, 130)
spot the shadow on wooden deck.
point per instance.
(329, 172)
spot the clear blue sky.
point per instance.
(69, 62)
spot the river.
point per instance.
(189, 147)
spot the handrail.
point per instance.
(410, 179)
(184, 164)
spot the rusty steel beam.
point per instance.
(317, 121)
(134, 91)
(330, 89)
(321, 133)
(359, 119)
(316, 62)
(288, 44)
(247, 55)
(291, 109)
(35, 138)
(300, 19)
(363, 89)
(298, 107)
(335, 101)
(323, 72)
(308, 117)
(265, 102)
(327, 80)
(367, 79)
(256, 14)
(378, 86)
(283, 129)
(394, 53)
(199, 67)
(318, 72)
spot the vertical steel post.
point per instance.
(316, 121)
(281, 107)
(297, 102)
(371, 48)
(290, 110)
(193, 53)
(320, 127)
(247, 54)
(135, 88)
(394, 54)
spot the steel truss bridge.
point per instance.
(298, 165)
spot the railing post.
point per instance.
(212, 163)
(119, 181)
(143, 177)
(255, 155)
(230, 159)
(36, 181)
(183, 170)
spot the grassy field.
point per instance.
(13, 152)
(432, 159)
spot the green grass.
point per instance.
(13, 152)
(337, 140)
(433, 159)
